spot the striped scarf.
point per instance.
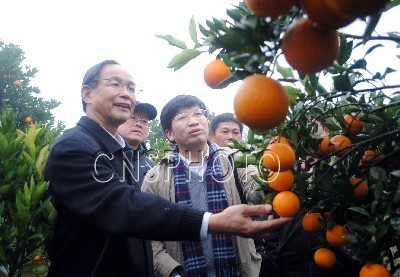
(223, 248)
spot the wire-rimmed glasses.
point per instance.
(196, 114)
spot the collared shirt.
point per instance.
(119, 139)
(196, 168)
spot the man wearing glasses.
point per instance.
(135, 131)
(103, 220)
(198, 173)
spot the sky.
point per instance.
(62, 39)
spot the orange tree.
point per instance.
(250, 44)
(17, 93)
(26, 216)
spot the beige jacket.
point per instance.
(160, 181)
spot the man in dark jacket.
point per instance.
(135, 131)
(104, 221)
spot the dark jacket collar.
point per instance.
(101, 135)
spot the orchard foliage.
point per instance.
(251, 45)
(26, 132)
(17, 93)
(26, 216)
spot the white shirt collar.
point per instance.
(198, 168)
(119, 139)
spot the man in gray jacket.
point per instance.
(198, 173)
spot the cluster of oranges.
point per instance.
(279, 158)
(311, 43)
(335, 236)
(339, 145)
(29, 121)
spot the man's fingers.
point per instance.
(268, 226)
(276, 223)
(258, 210)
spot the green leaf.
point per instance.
(193, 31)
(173, 41)
(359, 210)
(41, 159)
(395, 173)
(381, 230)
(342, 83)
(183, 58)
(377, 173)
(371, 118)
(396, 196)
(372, 48)
(345, 50)
(395, 222)
(286, 72)
(372, 21)
(28, 158)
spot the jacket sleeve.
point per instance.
(164, 264)
(251, 189)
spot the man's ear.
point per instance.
(170, 136)
(86, 94)
(212, 135)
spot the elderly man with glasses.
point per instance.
(135, 131)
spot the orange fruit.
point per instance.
(17, 83)
(279, 157)
(260, 102)
(353, 124)
(280, 139)
(37, 258)
(370, 155)
(341, 142)
(318, 12)
(28, 120)
(336, 235)
(281, 180)
(360, 188)
(309, 48)
(286, 204)
(269, 8)
(325, 147)
(312, 222)
(215, 72)
(324, 258)
(374, 270)
(355, 8)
